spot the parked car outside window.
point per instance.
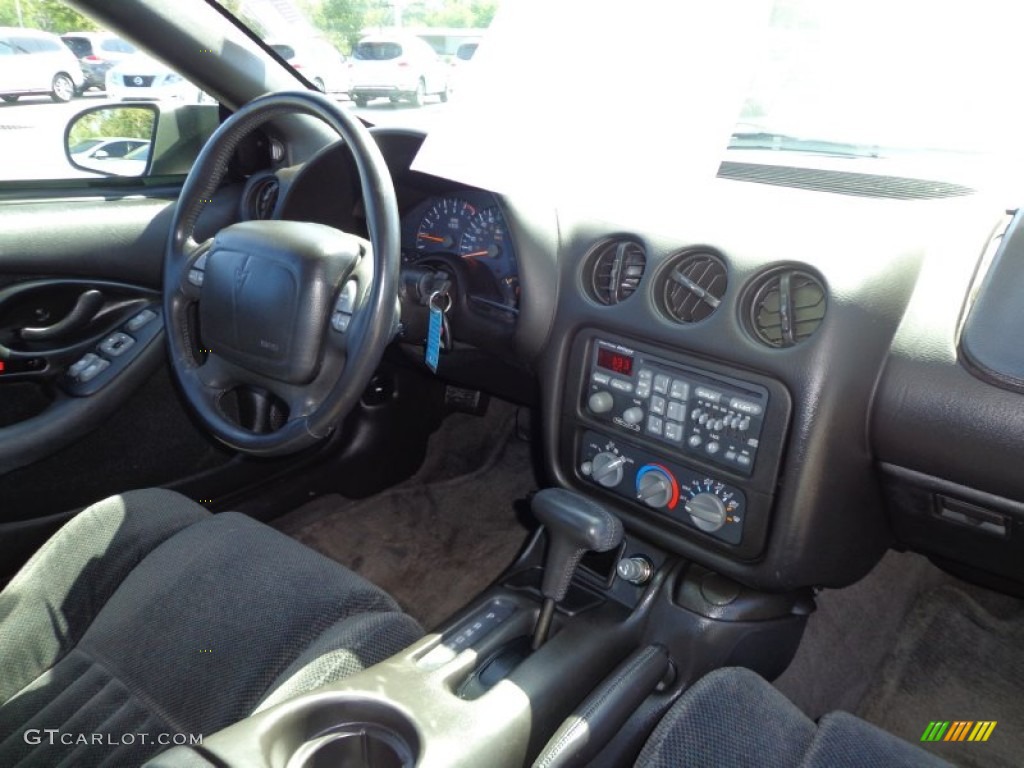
(142, 78)
(316, 60)
(397, 68)
(36, 62)
(97, 52)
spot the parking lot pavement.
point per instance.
(32, 131)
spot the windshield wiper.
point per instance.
(781, 142)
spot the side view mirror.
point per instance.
(89, 130)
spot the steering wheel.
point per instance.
(293, 315)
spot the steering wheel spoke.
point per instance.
(296, 314)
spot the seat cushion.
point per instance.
(147, 614)
(733, 718)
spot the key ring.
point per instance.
(433, 296)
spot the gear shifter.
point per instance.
(575, 525)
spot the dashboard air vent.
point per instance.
(692, 286)
(787, 307)
(616, 268)
(261, 197)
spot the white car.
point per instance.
(396, 67)
(142, 78)
(112, 154)
(34, 62)
(316, 60)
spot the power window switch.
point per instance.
(93, 370)
(141, 319)
(117, 344)
(76, 370)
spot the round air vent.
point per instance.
(261, 197)
(692, 286)
(787, 305)
(615, 270)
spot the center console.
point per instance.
(684, 449)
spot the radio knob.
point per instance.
(606, 469)
(654, 489)
(633, 415)
(707, 511)
(601, 402)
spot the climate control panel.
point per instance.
(689, 411)
(686, 496)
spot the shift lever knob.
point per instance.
(575, 525)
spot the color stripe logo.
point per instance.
(958, 730)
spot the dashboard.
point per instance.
(767, 382)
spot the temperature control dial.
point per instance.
(656, 487)
(606, 469)
(707, 511)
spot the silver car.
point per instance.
(396, 67)
(33, 62)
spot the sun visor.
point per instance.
(594, 100)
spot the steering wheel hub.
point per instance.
(267, 294)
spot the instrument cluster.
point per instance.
(468, 229)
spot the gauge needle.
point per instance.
(431, 238)
(474, 254)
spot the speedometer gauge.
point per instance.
(443, 224)
(486, 236)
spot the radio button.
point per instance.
(730, 456)
(622, 385)
(633, 415)
(600, 378)
(745, 406)
(674, 432)
(703, 419)
(694, 441)
(712, 447)
(601, 402)
(718, 426)
(661, 382)
(710, 395)
(676, 411)
(744, 424)
(680, 390)
(645, 374)
(654, 425)
(743, 460)
(658, 405)
(643, 388)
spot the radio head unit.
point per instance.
(685, 410)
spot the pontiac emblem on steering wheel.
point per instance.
(137, 80)
(242, 274)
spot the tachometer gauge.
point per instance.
(486, 236)
(443, 225)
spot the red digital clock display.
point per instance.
(615, 361)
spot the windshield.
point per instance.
(874, 80)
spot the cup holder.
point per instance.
(358, 745)
(346, 733)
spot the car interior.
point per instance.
(313, 458)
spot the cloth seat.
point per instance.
(147, 615)
(734, 718)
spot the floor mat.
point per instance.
(441, 537)
(958, 658)
(852, 632)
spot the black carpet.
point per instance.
(850, 634)
(441, 537)
(959, 656)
